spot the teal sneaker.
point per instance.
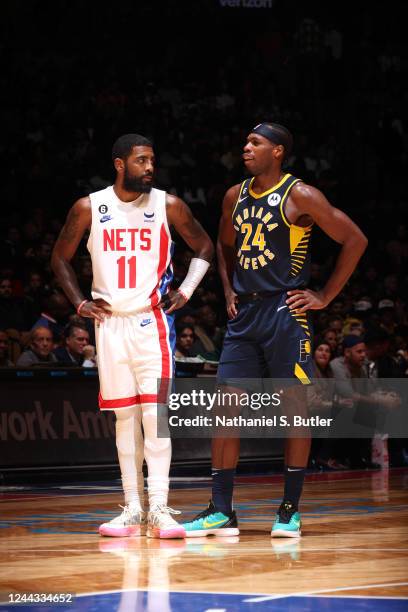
(212, 522)
(287, 523)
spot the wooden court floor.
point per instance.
(353, 553)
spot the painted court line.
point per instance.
(331, 590)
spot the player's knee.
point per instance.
(125, 413)
(156, 446)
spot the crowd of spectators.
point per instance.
(338, 84)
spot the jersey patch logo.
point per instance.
(304, 350)
(274, 199)
(103, 209)
(105, 218)
(149, 217)
(145, 322)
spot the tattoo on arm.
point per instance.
(191, 229)
(70, 229)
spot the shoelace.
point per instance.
(204, 513)
(126, 514)
(286, 511)
(163, 510)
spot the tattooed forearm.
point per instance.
(180, 217)
(70, 229)
(191, 230)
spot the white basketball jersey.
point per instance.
(130, 247)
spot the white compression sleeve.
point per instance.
(157, 453)
(129, 443)
(196, 271)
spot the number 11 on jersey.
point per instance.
(131, 264)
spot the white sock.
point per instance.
(157, 452)
(129, 443)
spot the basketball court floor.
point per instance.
(353, 554)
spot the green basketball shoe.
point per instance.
(287, 523)
(212, 522)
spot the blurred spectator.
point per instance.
(15, 313)
(346, 370)
(330, 336)
(386, 311)
(209, 336)
(391, 289)
(5, 362)
(40, 349)
(320, 400)
(54, 316)
(184, 341)
(35, 290)
(336, 322)
(77, 351)
(353, 382)
(353, 326)
(380, 364)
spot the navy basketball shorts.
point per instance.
(267, 340)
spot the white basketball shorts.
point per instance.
(134, 353)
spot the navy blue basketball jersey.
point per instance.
(272, 253)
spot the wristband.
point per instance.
(196, 271)
(80, 306)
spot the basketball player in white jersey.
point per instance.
(130, 247)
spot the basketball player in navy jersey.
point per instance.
(264, 259)
(130, 246)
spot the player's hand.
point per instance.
(301, 300)
(231, 299)
(172, 301)
(98, 310)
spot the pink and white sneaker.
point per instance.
(160, 524)
(130, 522)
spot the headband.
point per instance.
(264, 129)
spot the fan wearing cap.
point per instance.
(264, 262)
(352, 381)
(386, 311)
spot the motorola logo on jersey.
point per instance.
(149, 218)
(274, 199)
(103, 209)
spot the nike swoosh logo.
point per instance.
(241, 200)
(144, 323)
(295, 469)
(207, 525)
(280, 308)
